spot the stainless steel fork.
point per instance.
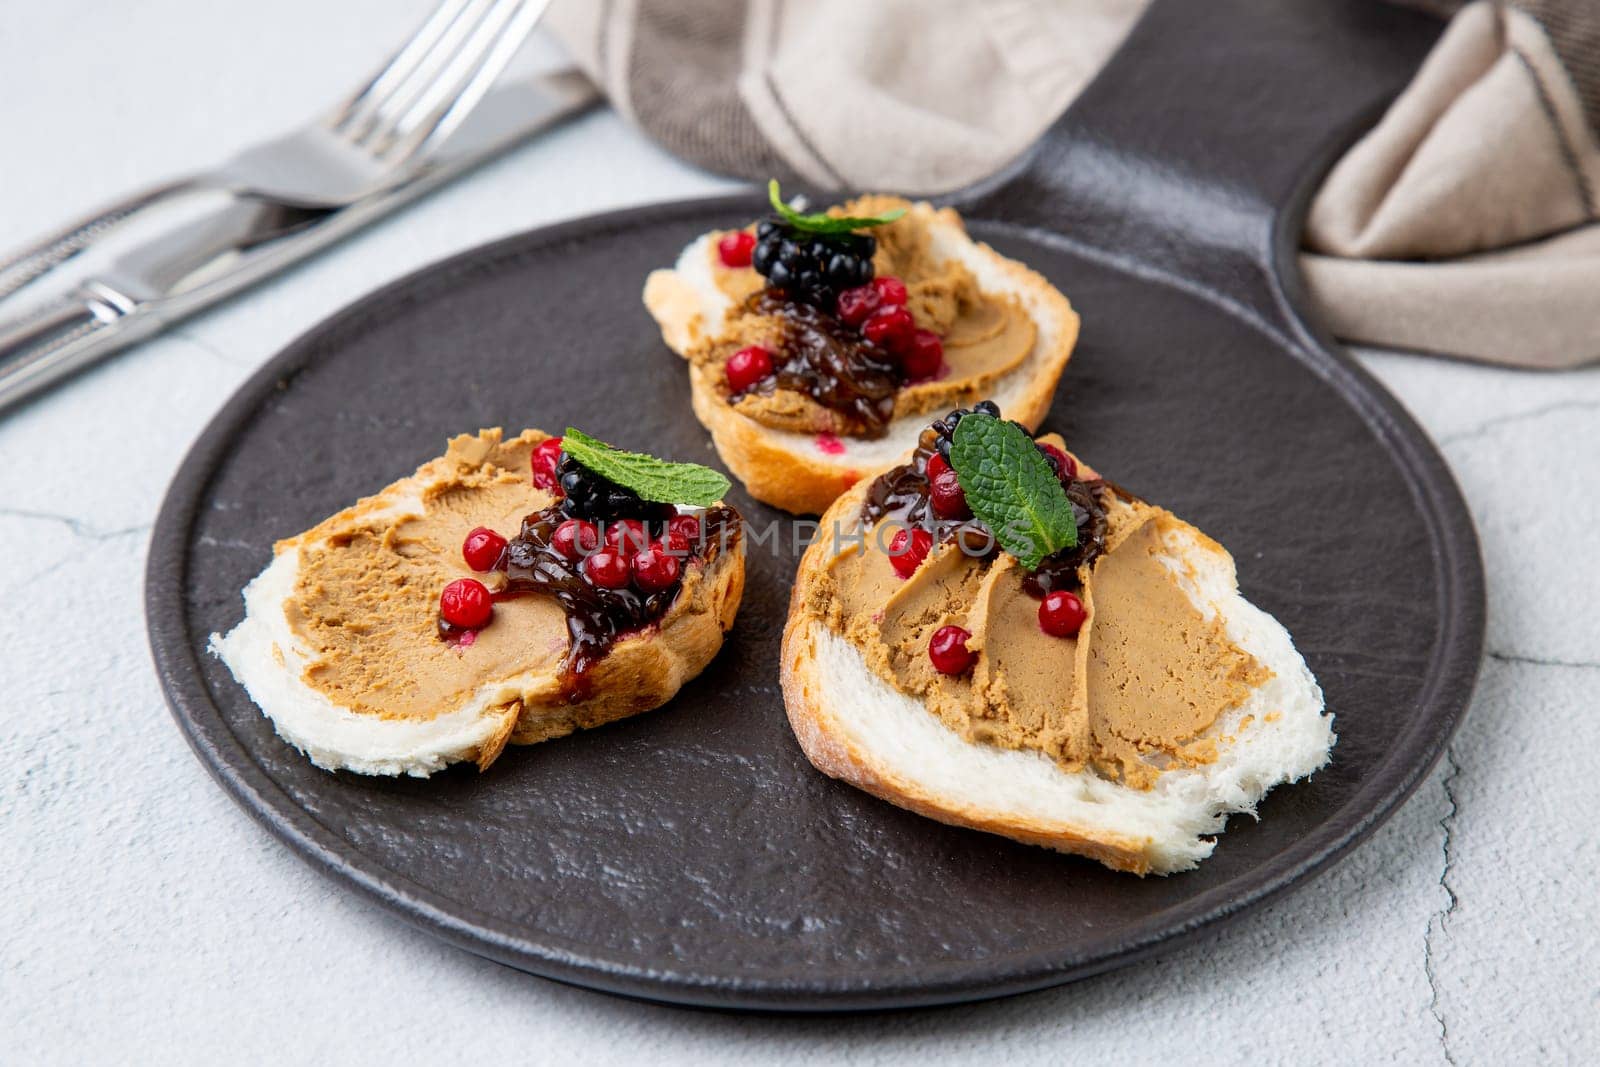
(364, 142)
(417, 98)
(382, 139)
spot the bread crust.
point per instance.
(813, 722)
(642, 673)
(786, 470)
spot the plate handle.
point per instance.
(1195, 151)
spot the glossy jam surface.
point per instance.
(902, 495)
(597, 617)
(1060, 571)
(831, 363)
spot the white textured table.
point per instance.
(144, 915)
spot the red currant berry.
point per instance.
(937, 465)
(686, 527)
(891, 328)
(856, 304)
(948, 498)
(748, 366)
(891, 290)
(466, 603)
(1066, 469)
(575, 539)
(655, 570)
(907, 550)
(608, 569)
(482, 548)
(627, 537)
(924, 357)
(949, 652)
(675, 544)
(736, 247)
(546, 458)
(1061, 614)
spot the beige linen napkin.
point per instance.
(842, 93)
(1464, 223)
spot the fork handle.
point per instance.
(51, 251)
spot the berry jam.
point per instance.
(598, 617)
(830, 362)
(904, 495)
(1060, 571)
(829, 444)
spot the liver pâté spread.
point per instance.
(1129, 690)
(367, 596)
(878, 326)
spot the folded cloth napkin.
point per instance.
(1464, 223)
(840, 93)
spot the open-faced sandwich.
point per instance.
(508, 591)
(818, 344)
(992, 635)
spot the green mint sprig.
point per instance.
(657, 480)
(1011, 488)
(823, 223)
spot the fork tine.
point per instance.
(378, 116)
(464, 80)
(403, 93)
(361, 107)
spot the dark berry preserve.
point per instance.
(564, 552)
(830, 362)
(905, 495)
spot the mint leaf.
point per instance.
(653, 479)
(1010, 487)
(823, 223)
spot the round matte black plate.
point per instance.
(692, 854)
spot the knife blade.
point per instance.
(229, 241)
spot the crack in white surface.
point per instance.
(76, 526)
(1489, 425)
(1439, 921)
(81, 529)
(211, 350)
(1542, 661)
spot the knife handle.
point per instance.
(49, 252)
(61, 337)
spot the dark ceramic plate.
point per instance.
(692, 855)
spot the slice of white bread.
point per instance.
(789, 470)
(640, 672)
(854, 726)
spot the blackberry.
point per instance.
(943, 430)
(812, 268)
(589, 496)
